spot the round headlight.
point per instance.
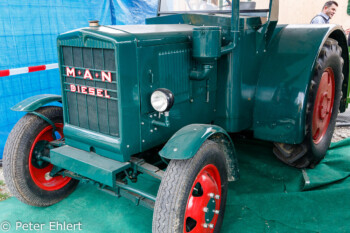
(162, 100)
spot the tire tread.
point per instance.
(14, 167)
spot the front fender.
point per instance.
(185, 143)
(34, 102)
(286, 73)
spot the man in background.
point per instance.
(327, 13)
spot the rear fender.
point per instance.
(185, 143)
(284, 80)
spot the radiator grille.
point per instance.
(91, 100)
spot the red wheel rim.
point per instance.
(323, 107)
(40, 176)
(203, 205)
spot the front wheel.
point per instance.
(192, 194)
(28, 178)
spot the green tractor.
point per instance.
(161, 99)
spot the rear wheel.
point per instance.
(322, 110)
(192, 195)
(27, 176)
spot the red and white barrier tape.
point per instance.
(25, 70)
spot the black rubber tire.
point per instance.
(309, 154)
(16, 160)
(170, 206)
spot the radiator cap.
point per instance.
(93, 23)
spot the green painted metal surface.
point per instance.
(237, 78)
(88, 164)
(169, 66)
(91, 139)
(283, 83)
(33, 103)
(254, 77)
(211, 208)
(201, 48)
(130, 44)
(185, 143)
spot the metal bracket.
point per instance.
(135, 198)
(147, 168)
(166, 122)
(55, 170)
(47, 120)
(265, 33)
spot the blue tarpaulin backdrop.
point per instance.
(28, 31)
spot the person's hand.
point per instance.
(347, 31)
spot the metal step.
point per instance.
(88, 164)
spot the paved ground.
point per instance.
(3, 188)
(341, 133)
(1, 174)
(342, 130)
(344, 118)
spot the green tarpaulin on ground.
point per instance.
(269, 197)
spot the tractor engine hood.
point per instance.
(143, 35)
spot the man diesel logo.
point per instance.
(103, 76)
